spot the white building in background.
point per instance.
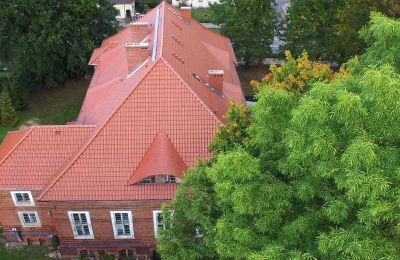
(126, 8)
(194, 3)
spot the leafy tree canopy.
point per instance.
(319, 180)
(250, 24)
(49, 41)
(328, 29)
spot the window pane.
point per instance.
(76, 218)
(86, 230)
(26, 197)
(33, 217)
(26, 218)
(79, 230)
(83, 218)
(19, 197)
(118, 218)
(127, 229)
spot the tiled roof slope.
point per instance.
(38, 153)
(161, 102)
(142, 105)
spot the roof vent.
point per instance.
(186, 12)
(177, 40)
(216, 79)
(178, 58)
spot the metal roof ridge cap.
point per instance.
(191, 90)
(17, 145)
(51, 183)
(155, 38)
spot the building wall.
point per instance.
(142, 244)
(9, 220)
(122, 10)
(55, 221)
(195, 3)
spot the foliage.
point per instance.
(233, 133)
(8, 114)
(296, 75)
(49, 41)
(143, 6)
(320, 180)
(250, 24)
(383, 38)
(54, 242)
(55, 106)
(328, 29)
(192, 234)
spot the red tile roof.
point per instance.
(160, 159)
(40, 151)
(152, 116)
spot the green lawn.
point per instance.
(248, 74)
(202, 15)
(55, 106)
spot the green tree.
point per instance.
(233, 133)
(142, 6)
(191, 236)
(8, 114)
(320, 180)
(383, 39)
(250, 24)
(49, 41)
(328, 29)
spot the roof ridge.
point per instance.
(95, 134)
(30, 129)
(191, 90)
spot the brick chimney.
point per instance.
(137, 53)
(216, 79)
(186, 12)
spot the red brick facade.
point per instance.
(54, 220)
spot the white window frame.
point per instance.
(155, 224)
(21, 218)
(71, 219)
(19, 204)
(130, 217)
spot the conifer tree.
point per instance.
(9, 116)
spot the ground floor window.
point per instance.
(126, 254)
(87, 254)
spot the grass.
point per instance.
(248, 74)
(55, 106)
(203, 15)
(27, 252)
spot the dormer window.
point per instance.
(22, 198)
(160, 179)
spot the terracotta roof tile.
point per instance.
(38, 156)
(129, 109)
(160, 159)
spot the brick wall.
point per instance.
(55, 220)
(9, 219)
(143, 242)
